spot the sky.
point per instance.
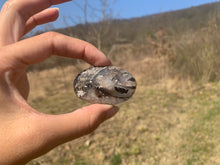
(71, 14)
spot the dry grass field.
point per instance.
(168, 121)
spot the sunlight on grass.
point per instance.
(155, 127)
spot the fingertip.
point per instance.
(98, 113)
(102, 59)
(111, 112)
(105, 61)
(93, 115)
(101, 106)
(54, 13)
(56, 8)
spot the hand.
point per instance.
(26, 133)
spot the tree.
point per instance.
(98, 16)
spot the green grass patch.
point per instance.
(202, 135)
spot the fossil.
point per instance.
(104, 85)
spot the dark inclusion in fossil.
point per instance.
(104, 85)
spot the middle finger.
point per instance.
(47, 15)
(14, 15)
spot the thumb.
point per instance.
(30, 134)
(59, 129)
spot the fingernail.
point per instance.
(57, 9)
(112, 112)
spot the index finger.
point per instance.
(39, 48)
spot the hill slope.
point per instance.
(164, 33)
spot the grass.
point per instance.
(202, 136)
(116, 159)
(154, 127)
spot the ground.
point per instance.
(166, 122)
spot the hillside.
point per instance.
(156, 35)
(180, 21)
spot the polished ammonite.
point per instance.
(104, 85)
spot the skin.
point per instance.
(26, 133)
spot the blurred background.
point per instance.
(172, 49)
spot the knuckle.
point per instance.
(51, 34)
(52, 38)
(8, 4)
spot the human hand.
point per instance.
(26, 133)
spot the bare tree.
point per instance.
(100, 21)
